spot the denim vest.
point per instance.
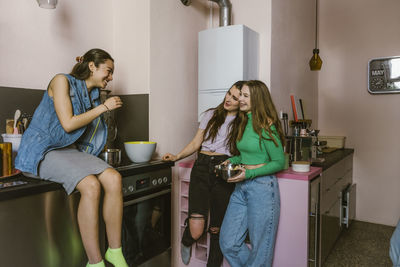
(45, 132)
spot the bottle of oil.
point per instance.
(7, 158)
(1, 160)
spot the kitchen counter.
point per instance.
(306, 176)
(332, 157)
(35, 186)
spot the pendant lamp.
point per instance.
(315, 61)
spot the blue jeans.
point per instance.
(395, 246)
(254, 208)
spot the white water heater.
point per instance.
(226, 55)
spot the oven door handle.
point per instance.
(141, 199)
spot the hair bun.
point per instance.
(79, 59)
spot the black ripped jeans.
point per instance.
(208, 193)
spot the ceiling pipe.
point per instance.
(225, 11)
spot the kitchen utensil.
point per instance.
(140, 151)
(227, 171)
(16, 117)
(109, 118)
(25, 123)
(112, 156)
(301, 166)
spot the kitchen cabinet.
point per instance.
(337, 202)
(299, 213)
(201, 247)
(298, 231)
(312, 212)
(40, 230)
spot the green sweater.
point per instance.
(251, 153)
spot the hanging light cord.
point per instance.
(316, 23)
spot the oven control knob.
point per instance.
(165, 179)
(159, 180)
(130, 188)
(154, 182)
(124, 190)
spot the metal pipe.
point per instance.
(225, 11)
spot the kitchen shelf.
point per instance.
(200, 249)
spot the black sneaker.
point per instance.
(186, 253)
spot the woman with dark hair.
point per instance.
(254, 206)
(215, 141)
(62, 142)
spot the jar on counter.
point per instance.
(6, 158)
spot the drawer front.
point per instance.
(330, 229)
(328, 197)
(348, 163)
(331, 175)
(347, 179)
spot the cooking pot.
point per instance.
(112, 156)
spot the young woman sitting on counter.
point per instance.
(215, 139)
(65, 135)
(254, 205)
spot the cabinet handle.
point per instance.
(137, 200)
(316, 235)
(315, 215)
(340, 211)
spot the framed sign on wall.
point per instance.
(384, 75)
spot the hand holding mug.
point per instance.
(113, 102)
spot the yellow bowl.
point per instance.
(140, 151)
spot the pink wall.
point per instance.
(131, 42)
(36, 43)
(292, 41)
(173, 82)
(173, 63)
(351, 33)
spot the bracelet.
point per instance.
(108, 110)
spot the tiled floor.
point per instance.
(362, 245)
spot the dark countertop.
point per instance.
(35, 186)
(333, 157)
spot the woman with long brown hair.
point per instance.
(254, 206)
(215, 141)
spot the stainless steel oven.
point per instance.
(146, 225)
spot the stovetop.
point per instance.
(153, 163)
